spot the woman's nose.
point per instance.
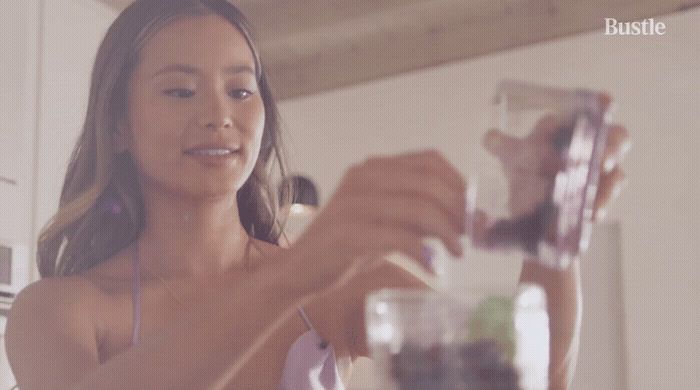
(215, 113)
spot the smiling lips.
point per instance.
(214, 155)
(210, 152)
(213, 150)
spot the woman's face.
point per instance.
(195, 114)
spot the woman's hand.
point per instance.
(612, 178)
(382, 205)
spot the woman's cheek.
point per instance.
(255, 122)
(157, 155)
(256, 117)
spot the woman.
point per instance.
(161, 268)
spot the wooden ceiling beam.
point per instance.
(303, 65)
(310, 46)
(276, 18)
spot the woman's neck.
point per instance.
(194, 237)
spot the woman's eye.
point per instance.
(182, 93)
(241, 93)
(179, 92)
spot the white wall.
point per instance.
(19, 58)
(601, 360)
(655, 82)
(48, 48)
(72, 32)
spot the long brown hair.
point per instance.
(101, 207)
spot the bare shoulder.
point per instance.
(57, 300)
(55, 293)
(50, 335)
(78, 292)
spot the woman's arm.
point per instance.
(563, 287)
(51, 346)
(380, 206)
(564, 305)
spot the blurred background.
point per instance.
(363, 77)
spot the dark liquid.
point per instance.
(528, 231)
(476, 365)
(525, 232)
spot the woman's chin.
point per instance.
(198, 190)
(196, 186)
(211, 191)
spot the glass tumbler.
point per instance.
(428, 340)
(535, 174)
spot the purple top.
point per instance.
(310, 364)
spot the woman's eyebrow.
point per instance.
(194, 70)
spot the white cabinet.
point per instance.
(6, 378)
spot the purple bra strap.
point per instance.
(323, 344)
(310, 363)
(135, 296)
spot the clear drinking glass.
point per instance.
(428, 340)
(409, 333)
(533, 184)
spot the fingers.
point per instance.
(419, 187)
(536, 154)
(612, 178)
(609, 188)
(422, 191)
(500, 144)
(386, 204)
(392, 204)
(547, 127)
(530, 161)
(407, 214)
(618, 145)
(428, 163)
